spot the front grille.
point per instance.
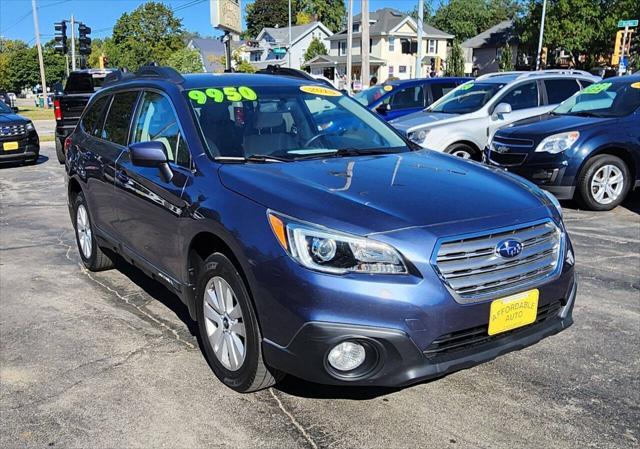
(473, 270)
(468, 338)
(507, 158)
(511, 142)
(12, 130)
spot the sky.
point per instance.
(16, 20)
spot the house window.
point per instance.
(255, 56)
(433, 46)
(342, 48)
(390, 70)
(356, 27)
(370, 45)
(402, 69)
(409, 47)
(392, 44)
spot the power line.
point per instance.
(188, 5)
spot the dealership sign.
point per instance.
(225, 15)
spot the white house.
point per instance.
(271, 46)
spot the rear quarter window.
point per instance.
(560, 89)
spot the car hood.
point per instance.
(12, 118)
(423, 118)
(372, 194)
(548, 124)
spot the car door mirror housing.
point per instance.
(501, 109)
(383, 108)
(151, 154)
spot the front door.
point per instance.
(150, 208)
(525, 100)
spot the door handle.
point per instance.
(121, 176)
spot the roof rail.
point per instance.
(556, 72)
(494, 74)
(116, 76)
(155, 71)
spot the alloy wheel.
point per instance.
(83, 229)
(224, 323)
(607, 184)
(462, 153)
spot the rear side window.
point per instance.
(116, 126)
(93, 115)
(441, 89)
(523, 96)
(411, 97)
(560, 89)
(156, 121)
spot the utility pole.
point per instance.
(289, 46)
(73, 44)
(539, 55)
(420, 37)
(349, 44)
(621, 65)
(36, 29)
(364, 44)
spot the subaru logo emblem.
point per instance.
(509, 248)
(501, 149)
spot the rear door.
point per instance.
(525, 100)
(149, 207)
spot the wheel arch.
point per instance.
(73, 189)
(469, 143)
(613, 150)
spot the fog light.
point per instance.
(346, 356)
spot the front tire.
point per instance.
(93, 258)
(603, 183)
(464, 151)
(229, 331)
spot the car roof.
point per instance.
(510, 77)
(426, 80)
(200, 80)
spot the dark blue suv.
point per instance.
(339, 256)
(398, 98)
(587, 148)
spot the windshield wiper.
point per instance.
(342, 152)
(252, 158)
(585, 114)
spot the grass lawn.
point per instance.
(47, 138)
(36, 113)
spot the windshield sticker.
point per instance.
(388, 88)
(636, 85)
(466, 86)
(319, 90)
(218, 95)
(596, 88)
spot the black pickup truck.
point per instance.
(68, 106)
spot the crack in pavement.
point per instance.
(294, 421)
(120, 296)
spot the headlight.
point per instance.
(554, 201)
(329, 251)
(29, 126)
(557, 143)
(418, 136)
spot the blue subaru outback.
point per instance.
(339, 254)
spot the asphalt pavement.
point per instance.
(109, 359)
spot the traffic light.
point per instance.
(60, 37)
(617, 49)
(84, 40)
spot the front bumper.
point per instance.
(398, 361)
(28, 149)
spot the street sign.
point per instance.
(627, 23)
(279, 51)
(225, 15)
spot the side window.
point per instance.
(523, 96)
(156, 121)
(441, 89)
(585, 83)
(560, 89)
(411, 97)
(93, 115)
(116, 125)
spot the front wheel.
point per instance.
(229, 332)
(603, 183)
(463, 151)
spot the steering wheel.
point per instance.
(317, 136)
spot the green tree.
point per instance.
(268, 13)
(455, 62)
(316, 47)
(331, 13)
(467, 18)
(7, 48)
(186, 60)
(150, 33)
(505, 61)
(303, 18)
(428, 11)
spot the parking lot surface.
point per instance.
(109, 359)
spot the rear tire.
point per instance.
(93, 258)
(463, 151)
(59, 150)
(228, 328)
(603, 183)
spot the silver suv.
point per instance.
(462, 121)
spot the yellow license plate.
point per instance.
(513, 312)
(8, 146)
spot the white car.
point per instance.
(462, 122)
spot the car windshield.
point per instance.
(368, 96)
(466, 98)
(603, 99)
(4, 109)
(288, 123)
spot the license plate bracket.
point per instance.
(513, 311)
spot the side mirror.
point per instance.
(15, 109)
(151, 154)
(501, 109)
(383, 108)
